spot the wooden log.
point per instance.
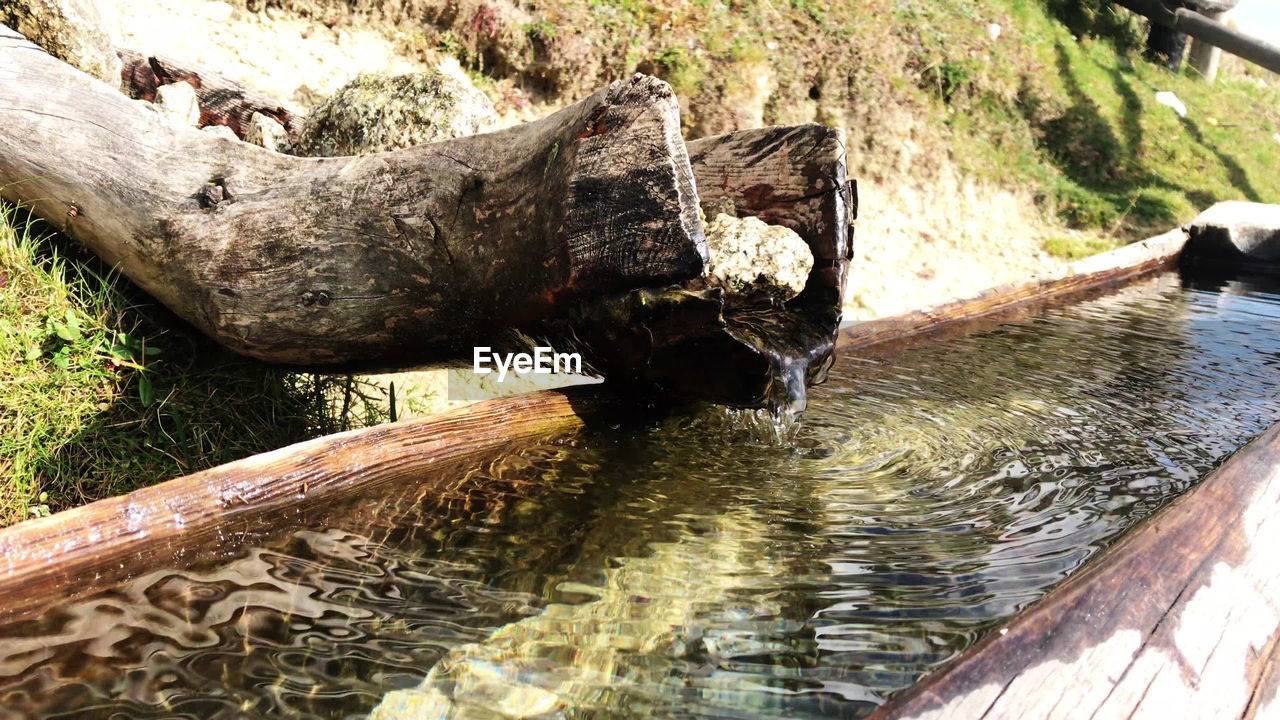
(222, 101)
(389, 259)
(997, 304)
(1181, 618)
(89, 548)
(793, 176)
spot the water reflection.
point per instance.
(700, 567)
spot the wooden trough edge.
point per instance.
(1085, 276)
(1180, 618)
(76, 552)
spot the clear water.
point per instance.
(699, 567)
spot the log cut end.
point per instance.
(631, 209)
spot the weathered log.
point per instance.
(794, 177)
(222, 101)
(1181, 618)
(385, 259)
(767, 351)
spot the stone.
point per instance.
(266, 132)
(70, 30)
(749, 256)
(1242, 235)
(178, 103)
(220, 131)
(374, 113)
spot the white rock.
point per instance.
(220, 131)
(177, 102)
(1168, 99)
(266, 132)
(993, 31)
(747, 254)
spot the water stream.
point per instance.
(700, 567)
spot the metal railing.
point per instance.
(1257, 51)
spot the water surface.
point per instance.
(699, 567)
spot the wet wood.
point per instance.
(998, 304)
(384, 260)
(765, 351)
(89, 548)
(1181, 618)
(222, 101)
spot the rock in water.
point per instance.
(266, 132)
(748, 257)
(177, 102)
(70, 30)
(374, 113)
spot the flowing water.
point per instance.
(699, 567)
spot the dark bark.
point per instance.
(222, 101)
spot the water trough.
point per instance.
(1141, 584)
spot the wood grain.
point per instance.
(796, 177)
(1180, 619)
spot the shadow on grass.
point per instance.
(1109, 178)
(191, 406)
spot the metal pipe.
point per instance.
(1258, 52)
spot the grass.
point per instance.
(102, 391)
(1084, 128)
(1076, 247)
(1057, 101)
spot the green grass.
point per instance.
(102, 391)
(1075, 247)
(1087, 132)
(1060, 103)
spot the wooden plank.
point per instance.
(996, 305)
(89, 548)
(1181, 618)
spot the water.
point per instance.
(702, 567)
